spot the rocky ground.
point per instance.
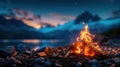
(56, 57)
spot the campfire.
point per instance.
(85, 45)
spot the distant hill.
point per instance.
(115, 32)
(86, 17)
(16, 29)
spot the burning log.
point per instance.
(85, 44)
(99, 51)
(66, 55)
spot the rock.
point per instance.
(58, 65)
(37, 65)
(27, 52)
(10, 50)
(15, 53)
(72, 64)
(78, 64)
(3, 54)
(40, 61)
(42, 54)
(94, 63)
(85, 64)
(16, 61)
(20, 47)
(45, 49)
(48, 49)
(48, 64)
(55, 54)
(116, 60)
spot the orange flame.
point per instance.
(82, 41)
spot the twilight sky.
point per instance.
(60, 11)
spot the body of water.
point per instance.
(33, 42)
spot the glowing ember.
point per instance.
(85, 45)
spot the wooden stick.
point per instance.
(95, 49)
(67, 54)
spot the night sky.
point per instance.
(64, 9)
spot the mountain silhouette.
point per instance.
(86, 17)
(16, 29)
